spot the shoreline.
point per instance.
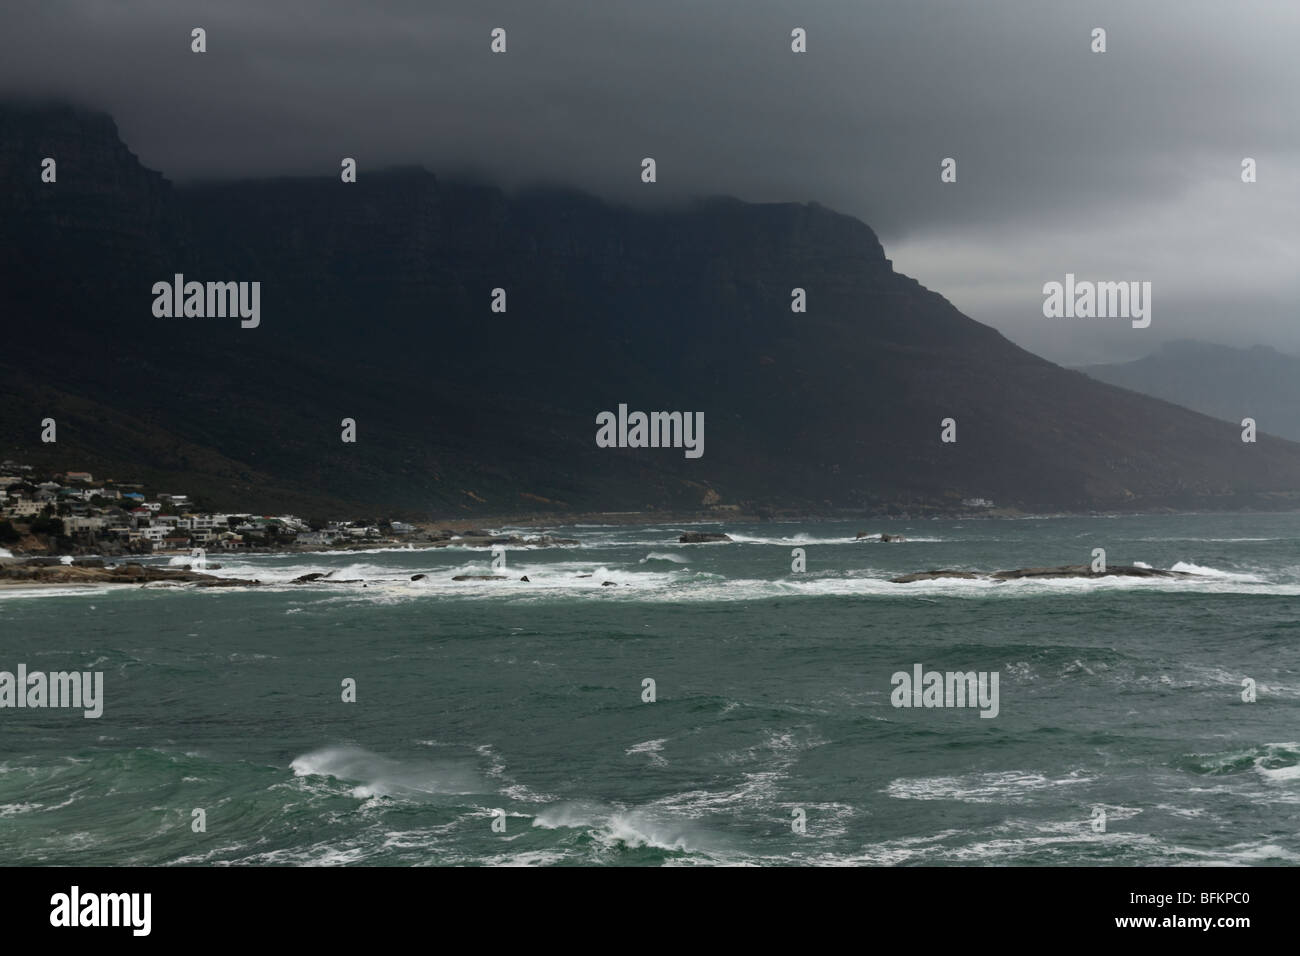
(588, 520)
(43, 585)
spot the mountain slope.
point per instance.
(1226, 383)
(375, 305)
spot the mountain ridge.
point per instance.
(376, 306)
(1227, 383)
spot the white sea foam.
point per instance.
(615, 828)
(1008, 786)
(506, 785)
(1205, 572)
(376, 776)
(1279, 754)
(663, 572)
(46, 592)
(651, 748)
(801, 539)
(677, 583)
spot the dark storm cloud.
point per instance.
(1123, 165)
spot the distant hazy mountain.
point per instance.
(376, 306)
(1231, 384)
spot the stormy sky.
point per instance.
(1117, 166)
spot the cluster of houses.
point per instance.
(109, 514)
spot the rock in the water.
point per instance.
(1084, 571)
(702, 537)
(324, 578)
(418, 577)
(609, 584)
(525, 578)
(1065, 571)
(892, 538)
(479, 577)
(120, 574)
(931, 575)
(482, 539)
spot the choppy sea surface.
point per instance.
(1122, 736)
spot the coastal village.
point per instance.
(76, 512)
(73, 513)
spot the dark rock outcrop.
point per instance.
(119, 574)
(469, 540)
(702, 537)
(325, 577)
(932, 575)
(1084, 571)
(1065, 571)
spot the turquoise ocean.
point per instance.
(1122, 736)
